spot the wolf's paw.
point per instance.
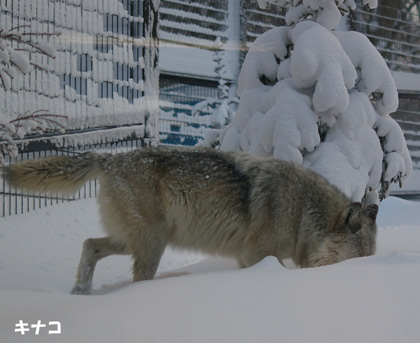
(80, 289)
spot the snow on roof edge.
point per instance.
(406, 81)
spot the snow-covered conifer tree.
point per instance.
(221, 106)
(321, 98)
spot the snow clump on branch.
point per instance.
(322, 99)
(14, 53)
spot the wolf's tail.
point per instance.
(55, 175)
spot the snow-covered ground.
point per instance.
(201, 299)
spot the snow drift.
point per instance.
(196, 299)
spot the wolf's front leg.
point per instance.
(94, 249)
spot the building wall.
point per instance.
(98, 76)
(104, 78)
(189, 30)
(191, 34)
(201, 44)
(394, 28)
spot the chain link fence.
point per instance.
(14, 202)
(394, 28)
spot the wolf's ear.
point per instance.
(371, 212)
(350, 218)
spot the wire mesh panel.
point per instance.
(394, 28)
(257, 20)
(193, 22)
(182, 121)
(13, 201)
(408, 117)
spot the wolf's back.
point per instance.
(55, 175)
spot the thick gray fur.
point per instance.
(230, 204)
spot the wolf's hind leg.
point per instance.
(94, 249)
(248, 260)
(146, 255)
(251, 256)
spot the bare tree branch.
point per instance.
(23, 45)
(36, 122)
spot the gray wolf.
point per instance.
(226, 203)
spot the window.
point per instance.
(125, 4)
(136, 8)
(114, 26)
(79, 84)
(125, 25)
(106, 90)
(103, 44)
(84, 63)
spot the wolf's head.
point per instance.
(353, 235)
